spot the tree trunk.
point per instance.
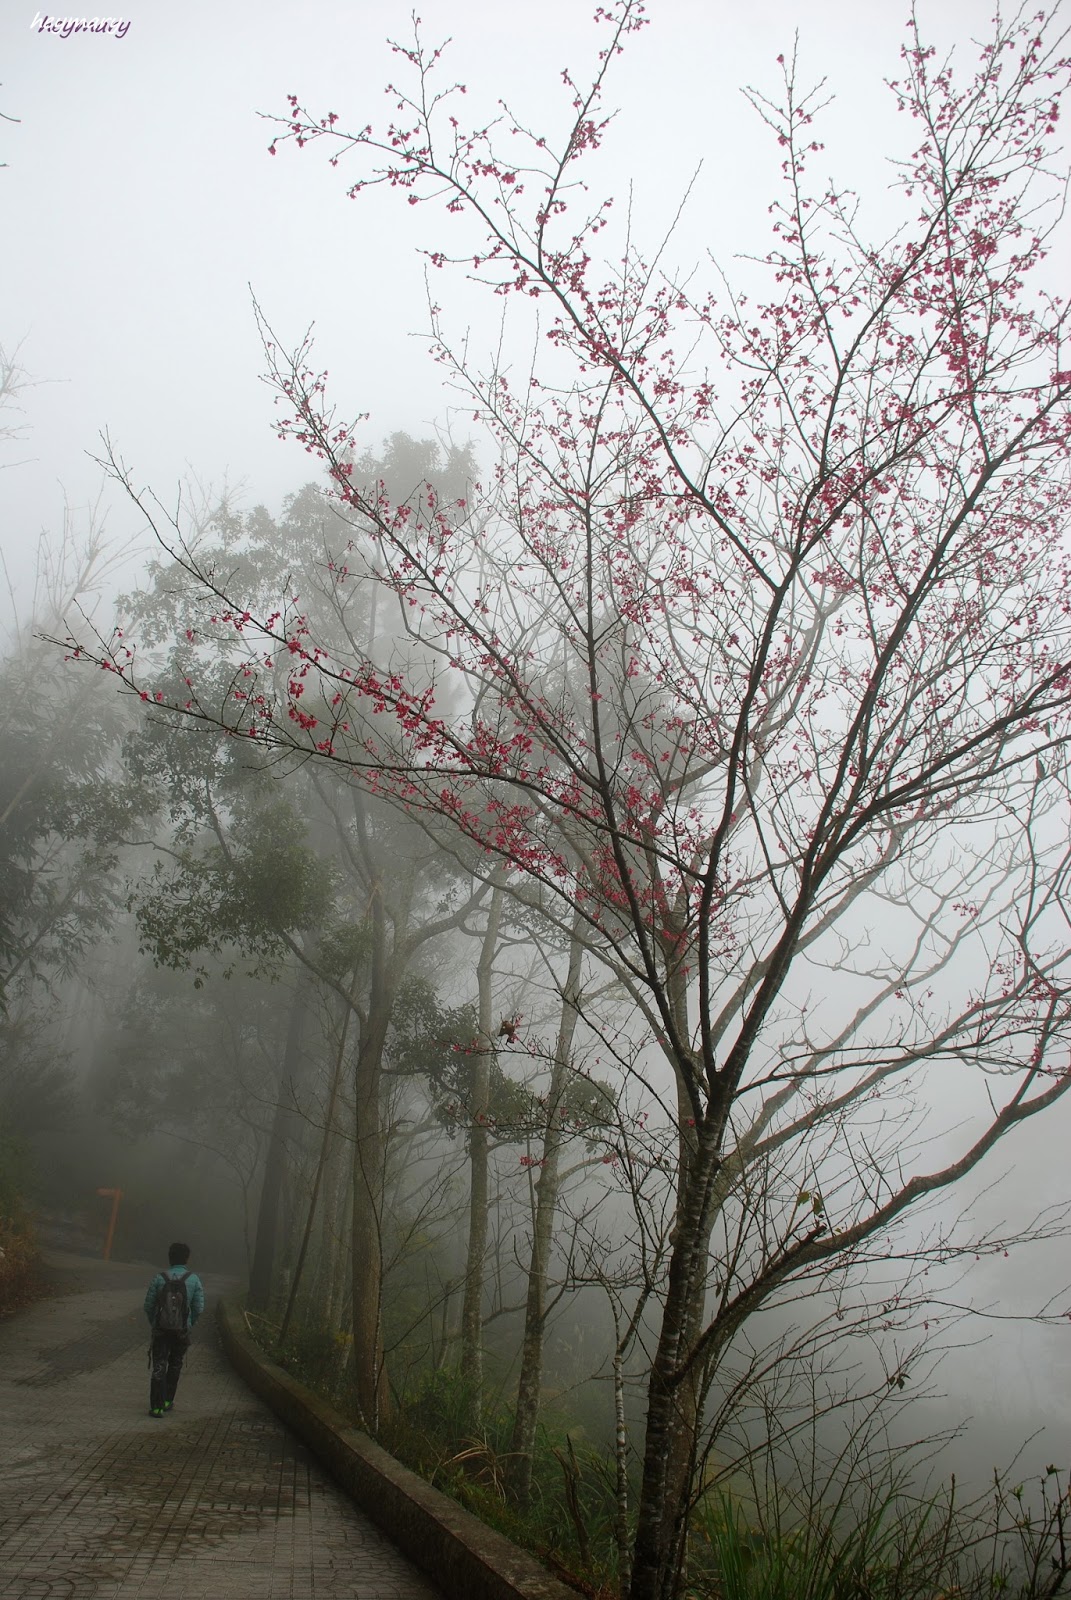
(366, 1244)
(321, 1163)
(621, 1491)
(530, 1381)
(275, 1160)
(479, 1143)
(340, 1265)
(331, 1280)
(673, 1396)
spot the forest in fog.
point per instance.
(567, 911)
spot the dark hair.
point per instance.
(178, 1255)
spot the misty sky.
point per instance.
(140, 206)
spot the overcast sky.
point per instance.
(139, 205)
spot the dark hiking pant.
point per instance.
(166, 1355)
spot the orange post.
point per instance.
(116, 1196)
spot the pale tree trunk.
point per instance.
(267, 1236)
(366, 1243)
(479, 1144)
(339, 1264)
(330, 1286)
(318, 1176)
(530, 1381)
(621, 1494)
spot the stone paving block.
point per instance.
(100, 1501)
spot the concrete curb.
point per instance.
(468, 1560)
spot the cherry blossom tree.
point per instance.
(751, 659)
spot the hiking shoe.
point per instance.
(156, 1411)
(168, 1404)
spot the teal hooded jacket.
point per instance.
(195, 1294)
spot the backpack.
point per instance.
(172, 1306)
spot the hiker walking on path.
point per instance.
(173, 1302)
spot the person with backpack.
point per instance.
(174, 1301)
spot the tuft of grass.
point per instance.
(888, 1545)
(568, 1521)
(885, 1552)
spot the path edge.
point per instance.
(466, 1558)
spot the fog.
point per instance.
(315, 944)
(142, 208)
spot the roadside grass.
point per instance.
(861, 1536)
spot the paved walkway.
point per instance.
(216, 1501)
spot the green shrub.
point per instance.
(19, 1258)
